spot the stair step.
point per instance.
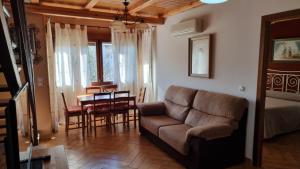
(2, 124)
(2, 138)
(2, 114)
(4, 102)
(4, 88)
(2, 132)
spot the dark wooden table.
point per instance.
(89, 99)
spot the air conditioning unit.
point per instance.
(187, 27)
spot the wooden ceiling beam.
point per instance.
(80, 21)
(135, 4)
(141, 5)
(59, 5)
(92, 9)
(91, 4)
(77, 13)
(35, 1)
(182, 9)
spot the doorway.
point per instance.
(266, 57)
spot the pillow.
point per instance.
(283, 95)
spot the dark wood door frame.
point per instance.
(264, 54)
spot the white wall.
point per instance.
(236, 26)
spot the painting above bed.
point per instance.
(286, 49)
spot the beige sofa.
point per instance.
(200, 129)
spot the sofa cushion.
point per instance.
(175, 136)
(222, 105)
(176, 111)
(180, 95)
(198, 118)
(153, 123)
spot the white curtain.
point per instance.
(51, 77)
(146, 62)
(67, 67)
(134, 60)
(124, 46)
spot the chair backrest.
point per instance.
(106, 83)
(105, 98)
(121, 101)
(109, 88)
(141, 96)
(95, 83)
(64, 100)
(101, 83)
(92, 89)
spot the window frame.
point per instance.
(99, 57)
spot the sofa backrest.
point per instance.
(180, 95)
(216, 107)
(178, 101)
(218, 104)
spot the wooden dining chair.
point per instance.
(72, 111)
(101, 83)
(132, 105)
(95, 87)
(95, 83)
(109, 88)
(140, 98)
(107, 83)
(100, 109)
(92, 89)
(121, 106)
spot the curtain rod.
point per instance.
(101, 27)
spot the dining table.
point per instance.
(88, 99)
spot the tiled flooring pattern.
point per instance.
(126, 149)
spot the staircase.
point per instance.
(9, 78)
(11, 86)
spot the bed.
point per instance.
(282, 106)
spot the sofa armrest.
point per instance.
(148, 109)
(210, 132)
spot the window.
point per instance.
(92, 63)
(108, 62)
(100, 62)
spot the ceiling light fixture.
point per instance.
(123, 21)
(213, 1)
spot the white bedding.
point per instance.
(281, 116)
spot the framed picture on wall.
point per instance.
(286, 49)
(200, 56)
